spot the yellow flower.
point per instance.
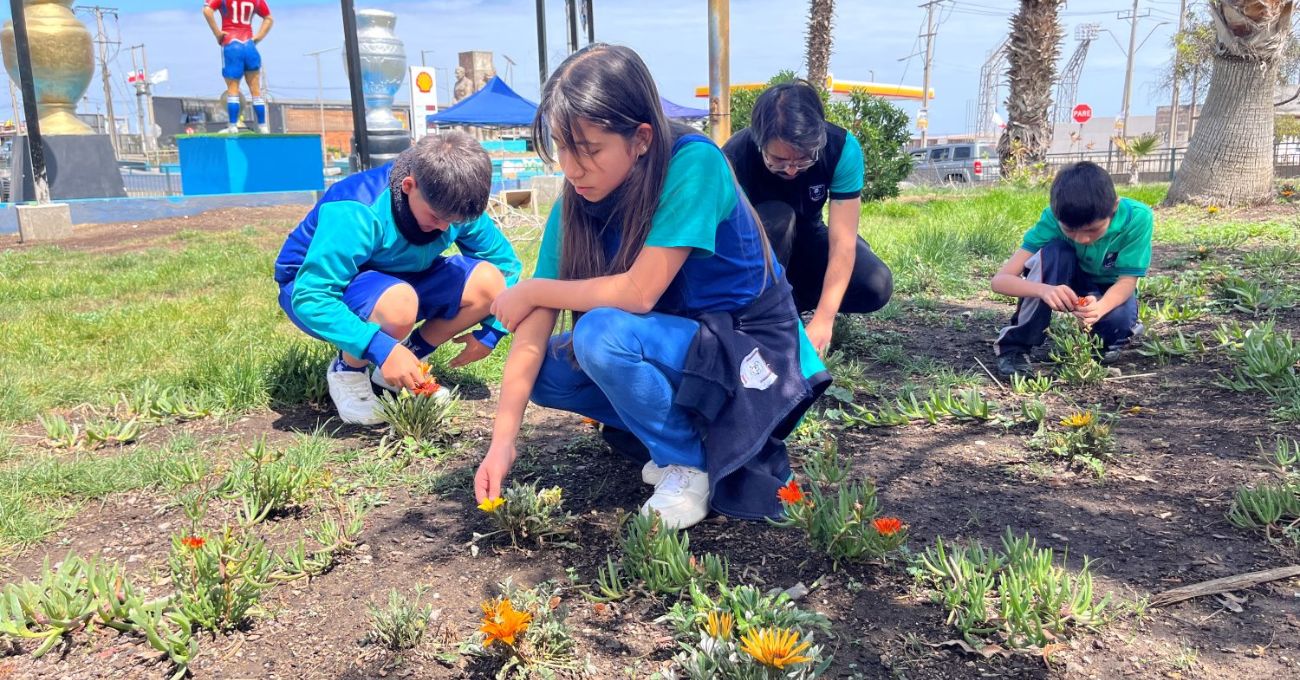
(501, 623)
(1212, 209)
(719, 626)
(1078, 420)
(774, 647)
(491, 504)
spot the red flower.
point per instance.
(790, 494)
(193, 542)
(888, 526)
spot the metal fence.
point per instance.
(163, 182)
(1161, 165)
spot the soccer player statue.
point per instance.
(239, 56)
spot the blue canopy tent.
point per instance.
(496, 105)
(682, 112)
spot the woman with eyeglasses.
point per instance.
(789, 161)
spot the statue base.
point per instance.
(384, 146)
(77, 166)
(249, 163)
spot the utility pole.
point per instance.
(1173, 108)
(720, 70)
(923, 116)
(143, 92)
(571, 17)
(102, 41)
(589, 21)
(1128, 70)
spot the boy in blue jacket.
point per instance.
(368, 263)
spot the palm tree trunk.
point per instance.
(1032, 50)
(820, 15)
(1230, 155)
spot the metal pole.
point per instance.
(1128, 70)
(720, 70)
(354, 86)
(35, 147)
(591, 22)
(571, 16)
(1173, 107)
(541, 42)
(101, 40)
(151, 144)
(924, 113)
(140, 103)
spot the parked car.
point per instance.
(957, 163)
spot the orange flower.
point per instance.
(790, 494)
(501, 623)
(1081, 302)
(426, 389)
(888, 526)
(774, 647)
(193, 542)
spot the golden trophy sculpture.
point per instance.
(62, 63)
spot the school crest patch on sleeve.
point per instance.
(817, 192)
(755, 373)
(1109, 261)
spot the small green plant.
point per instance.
(421, 417)
(823, 465)
(969, 404)
(1016, 597)
(401, 624)
(268, 482)
(298, 375)
(157, 404)
(530, 516)
(111, 432)
(60, 433)
(219, 579)
(1030, 385)
(1172, 313)
(1165, 349)
(1272, 258)
(1085, 440)
(748, 607)
(1033, 412)
(1251, 297)
(656, 560)
(841, 522)
(1273, 506)
(336, 534)
(1075, 352)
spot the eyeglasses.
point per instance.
(786, 166)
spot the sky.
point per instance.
(873, 40)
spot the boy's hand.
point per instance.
(474, 350)
(402, 369)
(513, 305)
(493, 470)
(1060, 298)
(1090, 312)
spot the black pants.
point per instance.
(804, 252)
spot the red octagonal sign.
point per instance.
(1082, 113)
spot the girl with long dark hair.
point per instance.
(683, 333)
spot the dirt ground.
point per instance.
(1154, 522)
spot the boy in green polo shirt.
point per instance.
(1084, 257)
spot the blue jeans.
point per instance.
(1057, 264)
(628, 369)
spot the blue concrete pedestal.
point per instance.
(247, 163)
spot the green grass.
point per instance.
(38, 493)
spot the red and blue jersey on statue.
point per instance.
(237, 17)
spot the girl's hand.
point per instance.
(819, 331)
(493, 470)
(514, 304)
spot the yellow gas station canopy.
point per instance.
(846, 87)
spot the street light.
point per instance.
(320, 100)
(422, 53)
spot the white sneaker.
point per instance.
(681, 498)
(231, 130)
(377, 377)
(652, 473)
(264, 129)
(351, 393)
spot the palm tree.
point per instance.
(1032, 51)
(1230, 156)
(820, 15)
(1137, 148)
